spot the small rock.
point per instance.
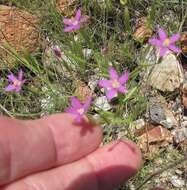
(177, 181)
(96, 117)
(167, 75)
(67, 7)
(138, 124)
(179, 172)
(184, 95)
(184, 123)
(180, 134)
(87, 53)
(183, 145)
(160, 114)
(93, 81)
(83, 91)
(142, 32)
(176, 106)
(184, 42)
(185, 118)
(153, 139)
(102, 103)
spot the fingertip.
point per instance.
(115, 163)
(128, 154)
(129, 147)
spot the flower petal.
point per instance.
(163, 51)
(78, 15)
(10, 87)
(57, 52)
(20, 75)
(111, 94)
(155, 42)
(84, 19)
(71, 110)
(68, 21)
(18, 88)
(124, 78)
(75, 102)
(12, 77)
(122, 89)
(162, 34)
(174, 38)
(87, 104)
(113, 73)
(72, 28)
(104, 83)
(174, 48)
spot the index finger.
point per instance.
(33, 146)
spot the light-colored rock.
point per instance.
(177, 181)
(167, 75)
(180, 134)
(87, 52)
(93, 81)
(138, 124)
(102, 103)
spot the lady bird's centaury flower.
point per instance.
(79, 109)
(165, 43)
(57, 52)
(15, 82)
(75, 23)
(115, 84)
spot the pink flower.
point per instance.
(57, 52)
(165, 43)
(16, 82)
(78, 108)
(115, 84)
(75, 23)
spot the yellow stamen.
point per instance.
(80, 111)
(16, 83)
(115, 84)
(75, 23)
(166, 42)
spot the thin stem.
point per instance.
(6, 111)
(161, 171)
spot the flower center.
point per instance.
(166, 42)
(17, 83)
(75, 22)
(80, 111)
(115, 84)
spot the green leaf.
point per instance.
(123, 2)
(130, 94)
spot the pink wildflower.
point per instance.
(15, 82)
(75, 23)
(57, 52)
(78, 108)
(115, 84)
(165, 43)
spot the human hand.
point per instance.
(53, 153)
